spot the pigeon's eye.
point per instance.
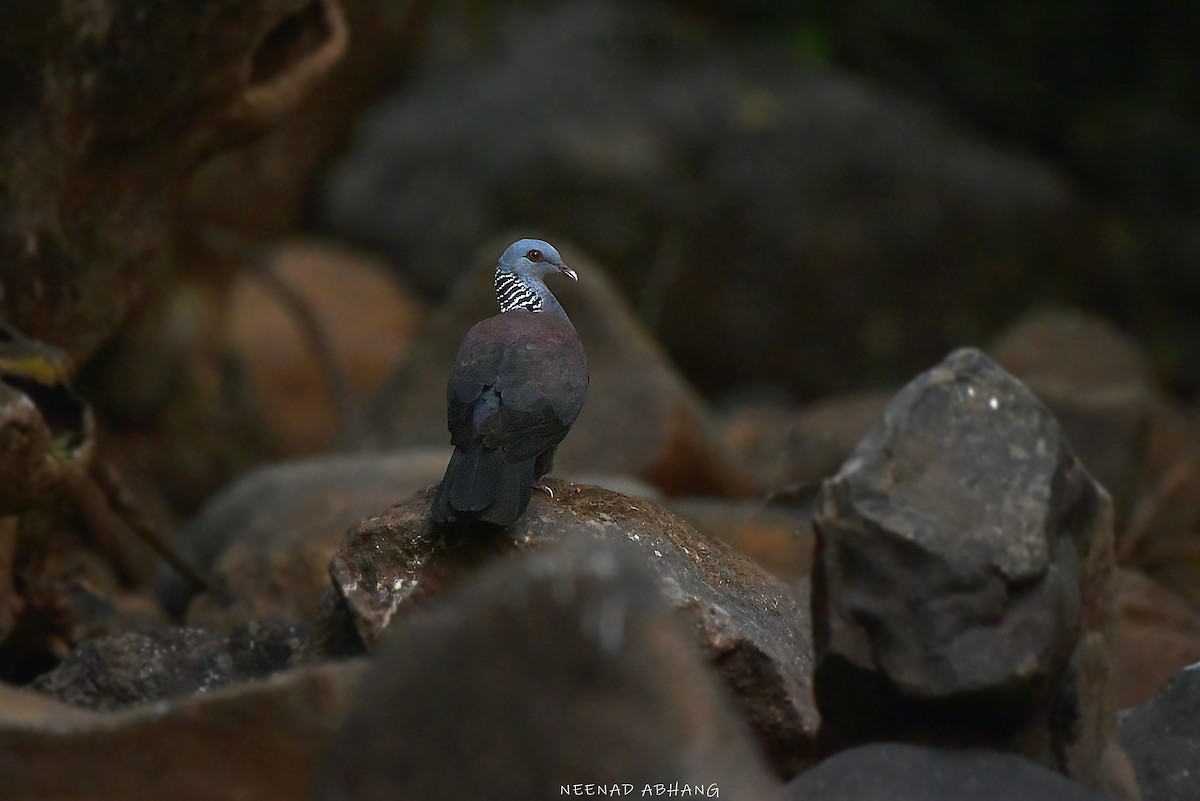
(534, 255)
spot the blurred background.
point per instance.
(797, 199)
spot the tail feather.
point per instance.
(480, 484)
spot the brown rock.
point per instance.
(641, 418)
(107, 106)
(747, 622)
(269, 537)
(778, 539)
(791, 449)
(259, 740)
(365, 317)
(1157, 633)
(565, 666)
(962, 588)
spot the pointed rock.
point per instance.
(962, 590)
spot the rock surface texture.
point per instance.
(563, 667)
(748, 623)
(962, 589)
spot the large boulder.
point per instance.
(566, 667)
(962, 590)
(746, 622)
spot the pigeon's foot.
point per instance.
(541, 486)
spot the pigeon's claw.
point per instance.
(541, 486)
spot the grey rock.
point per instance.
(748, 623)
(1162, 737)
(563, 667)
(962, 589)
(898, 772)
(135, 668)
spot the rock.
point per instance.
(600, 684)
(777, 539)
(962, 587)
(791, 449)
(134, 668)
(107, 107)
(641, 418)
(747, 622)
(366, 317)
(1162, 737)
(268, 538)
(1157, 633)
(259, 740)
(829, 207)
(899, 772)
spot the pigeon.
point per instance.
(515, 389)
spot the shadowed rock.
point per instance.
(641, 418)
(1162, 737)
(962, 589)
(259, 740)
(897, 772)
(746, 622)
(134, 668)
(268, 538)
(565, 666)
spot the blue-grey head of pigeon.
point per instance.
(521, 273)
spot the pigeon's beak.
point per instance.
(567, 271)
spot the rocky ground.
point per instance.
(850, 512)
